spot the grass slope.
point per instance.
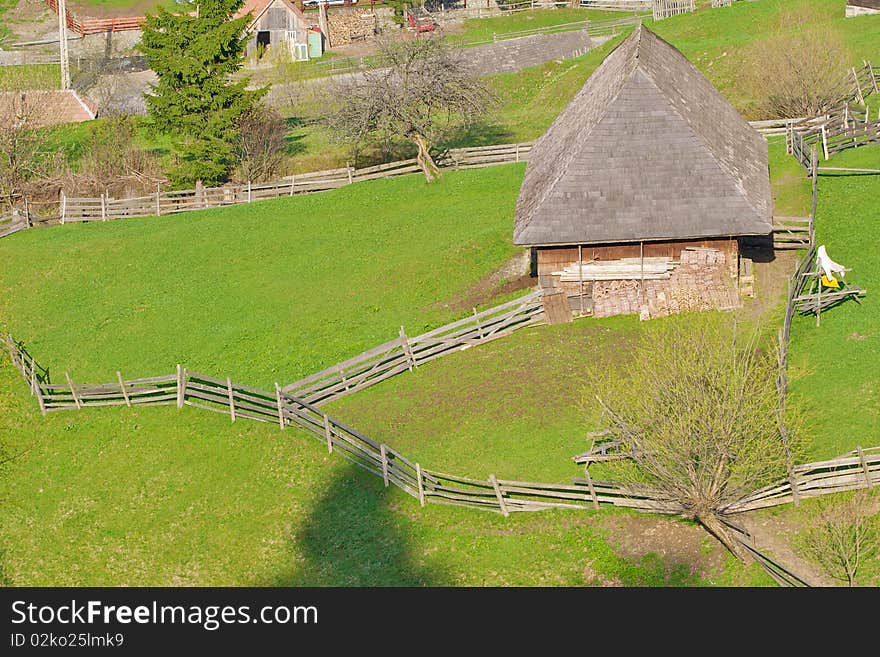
(264, 293)
(835, 365)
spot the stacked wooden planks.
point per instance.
(650, 268)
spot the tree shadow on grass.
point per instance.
(477, 134)
(353, 537)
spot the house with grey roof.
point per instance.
(637, 196)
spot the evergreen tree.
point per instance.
(196, 101)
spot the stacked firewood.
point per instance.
(349, 26)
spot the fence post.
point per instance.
(63, 206)
(328, 434)
(280, 406)
(76, 399)
(231, 398)
(795, 492)
(181, 374)
(865, 468)
(384, 454)
(348, 169)
(293, 178)
(494, 482)
(249, 191)
(406, 349)
(27, 213)
(590, 487)
(103, 208)
(516, 154)
(824, 143)
(158, 202)
(421, 484)
(479, 325)
(122, 387)
(35, 385)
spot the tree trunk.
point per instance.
(426, 162)
(720, 531)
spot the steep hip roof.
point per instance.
(647, 150)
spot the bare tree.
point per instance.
(698, 412)
(24, 152)
(425, 89)
(796, 72)
(261, 144)
(843, 534)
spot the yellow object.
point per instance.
(832, 282)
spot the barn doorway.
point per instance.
(264, 38)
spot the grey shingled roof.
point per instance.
(647, 150)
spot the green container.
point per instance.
(316, 44)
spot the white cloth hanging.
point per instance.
(829, 267)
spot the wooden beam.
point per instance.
(76, 399)
(421, 484)
(865, 469)
(280, 405)
(383, 452)
(122, 388)
(328, 435)
(590, 487)
(231, 398)
(181, 374)
(498, 495)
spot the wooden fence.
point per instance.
(104, 208)
(667, 8)
(859, 469)
(185, 388)
(404, 353)
(84, 26)
(856, 470)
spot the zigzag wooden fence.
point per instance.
(185, 388)
(403, 353)
(855, 470)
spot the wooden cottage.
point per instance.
(277, 24)
(636, 197)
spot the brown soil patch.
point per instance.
(675, 542)
(139, 8)
(511, 276)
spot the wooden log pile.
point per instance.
(350, 26)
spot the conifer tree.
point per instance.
(196, 100)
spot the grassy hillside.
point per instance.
(264, 293)
(835, 365)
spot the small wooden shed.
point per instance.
(277, 24)
(635, 199)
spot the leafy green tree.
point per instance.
(196, 100)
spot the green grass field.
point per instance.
(30, 76)
(834, 366)
(157, 496)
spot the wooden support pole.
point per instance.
(824, 143)
(292, 183)
(421, 484)
(231, 397)
(383, 452)
(158, 202)
(280, 406)
(479, 325)
(122, 388)
(103, 208)
(33, 378)
(498, 495)
(581, 277)
(865, 468)
(328, 434)
(76, 399)
(249, 191)
(36, 388)
(406, 349)
(181, 375)
(590, 487)
(27, 213)
(63, 207)
(348, 169)
(859, 93)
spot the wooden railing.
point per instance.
(106, 208)
(404, 353)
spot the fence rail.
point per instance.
(85, 26)
(404, 353)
